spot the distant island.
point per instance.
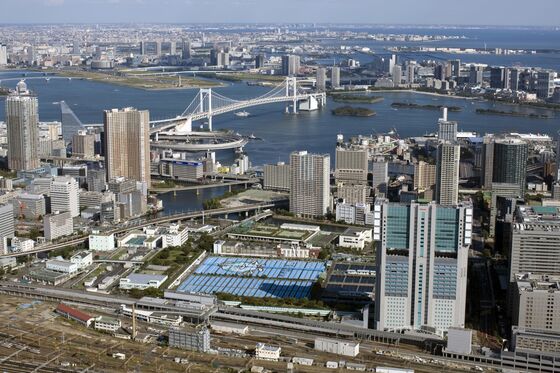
(350, 111)
(361, 99)
(512, 114)
(409, 105)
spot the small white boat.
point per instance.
(252, 137)
(242, 114)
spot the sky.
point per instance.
(447, 12)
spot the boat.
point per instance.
(252, 137)
(242, 114)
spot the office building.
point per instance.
(259, 61)
(190, 339)
(424, 176)
(65, 195)
(380, 176)
(447, 130)
(277, 176)
(22, 122)
(455, 68)
(422, 259)
(535, 241)
(397, 75)
(510, 162)
(127, 144)
(101, 241)
(514, 79)
(83, 145)
(3, 55)
(499, 78)
(143, 48)
(536, 300)
(476, 75)
(410, 72)
(96, 180)
(290, 65)
(158, 48)
(447, 173)
(335, 77)
(310, 184)
(487, 176)
(186, 50)
(57, 225)
(29, 206)
(545, 84)
(172, 48)
(7, 227)
(321, 79)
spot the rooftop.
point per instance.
(545, 218)
(142, 278)
(532, 282)
(77, 314)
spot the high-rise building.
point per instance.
(510, 162)
(424, 176)
(498, 78)
(455, 68)
(186, 50)
(514, 79)
(158, 48)
(277, 176)
(488, 161)
(351, 165)
(65, 195)
(22, 121)
(290, 65)
(310, 184)
(259, 61)
(388, 63)
(411, 72)
(172, 48)
(447, 130)
(143, 48)
(3, 55)
(545, 84)
(7, 228)
(380, 176)
(447, 173)
(127, 144)
(535, 241)
(422, 259)
(476, 74)
(321, 79)
(335, 77)
(83, 144)
(397, 75)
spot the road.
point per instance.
(136, 224)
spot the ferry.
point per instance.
(242, 114)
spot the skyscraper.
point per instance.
(321, 78)
(185, 50)
(65, 195)
(310, 184)
(447, 130)
(397, 75)
(488, 161)
(422, 259)
(172, 48)
(158, 48)
(455, 68)
(335, 77)
(447, 173)
(380, 176)
(3, 55)
(127, 144)
(290, 65)
(497, 77)
(259, 61)
(510, 162)
(22, 121)
(143, 47)
(545, 84)
(476, 74)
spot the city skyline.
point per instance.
(291, 11)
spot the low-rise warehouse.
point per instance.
(334, 346)
(141, 281)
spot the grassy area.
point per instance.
(237, 77)
(138, 81)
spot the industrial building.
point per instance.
(141, 281)
(267, 352)
(74, 314)
(190, 339)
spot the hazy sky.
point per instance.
(451, 12)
